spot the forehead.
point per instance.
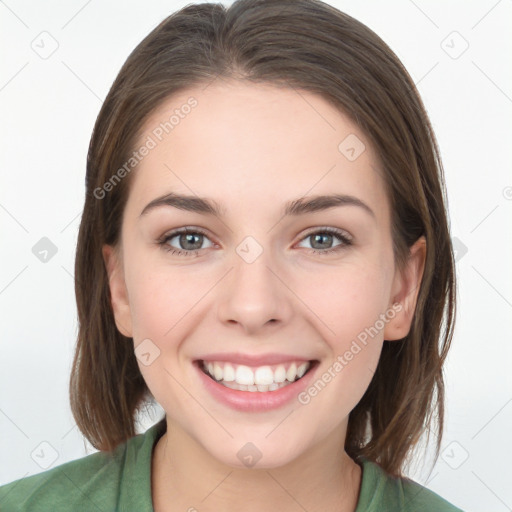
(252, 145)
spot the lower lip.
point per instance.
(255, 401)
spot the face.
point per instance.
(253, 281)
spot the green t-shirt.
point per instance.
(121, 481)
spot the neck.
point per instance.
(186, 477)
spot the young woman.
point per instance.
(264, 251)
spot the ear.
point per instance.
(406, 285)
(118, 292)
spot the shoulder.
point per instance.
(102, 481)
(381, 491)
(70, 486)
(419, 498)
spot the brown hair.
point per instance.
(308, 45)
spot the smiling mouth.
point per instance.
(257, 379)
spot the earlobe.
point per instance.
(118, 292)
(405, 290)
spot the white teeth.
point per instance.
(301, 370)
(244, 375)
(264, 375)
(262, 379)
(280, 374)
(234, 385)
(229, 373)
(217, 371)
(239, 387)
(292, 372)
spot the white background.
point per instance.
(48, 108)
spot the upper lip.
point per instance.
(253, 360)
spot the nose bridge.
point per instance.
(253, 295)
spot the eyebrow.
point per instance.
(299, 206)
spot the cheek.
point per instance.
(162, 307)
(149, 307)
(159, 295)
(347, 308)
(346, 300)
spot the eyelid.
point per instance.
(327, 229)
(310, 231)
(345, 238)
(185, 229)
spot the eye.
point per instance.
(189, 241)
(322, 240)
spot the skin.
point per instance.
(252, 148)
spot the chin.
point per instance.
(264, 454)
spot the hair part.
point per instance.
(310, 46)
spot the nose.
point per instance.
(254, 296)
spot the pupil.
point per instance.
(320, 237)
(188, 237)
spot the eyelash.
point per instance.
(342, 236)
